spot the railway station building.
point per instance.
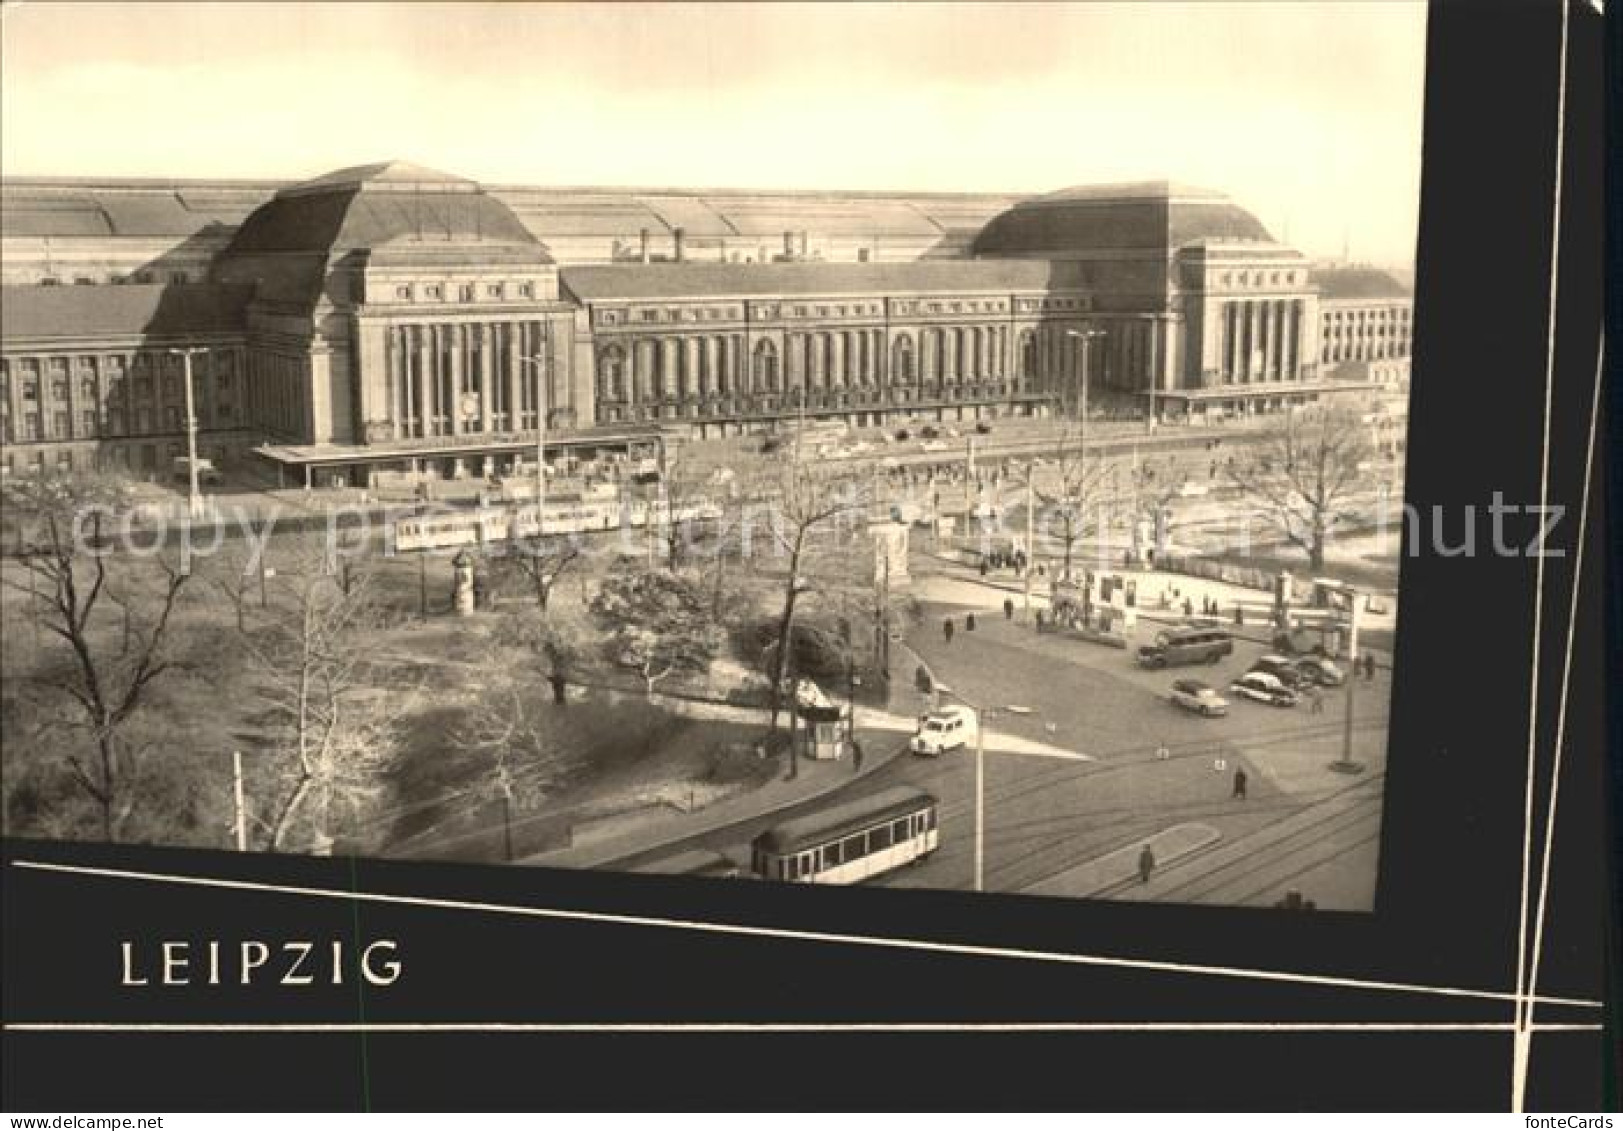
(391, 318)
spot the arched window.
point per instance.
(901, 361)
(766, 366)
(611, 368)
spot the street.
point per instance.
(1054, 826)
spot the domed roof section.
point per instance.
(1140, 216)
(393, 204)
(386, 176)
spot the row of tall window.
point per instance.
(109, 395)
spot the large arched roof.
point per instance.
(1151, 216)
(383, 205)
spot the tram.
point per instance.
(450, 529)
(850, 842)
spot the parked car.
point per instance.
(983, 427)
(1300, 642)
(903, 434)
(1264, 688)
(930, 432)
(1317, 669)
(1186, 646)
(1201, 698)
(1283, 668)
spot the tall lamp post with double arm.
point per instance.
(194, 498)
(982, 715)
(540, 362)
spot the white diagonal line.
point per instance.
(1566, 678)
(926, 945)
(1521, 1047)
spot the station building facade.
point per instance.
(393, 318)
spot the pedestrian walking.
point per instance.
(1315, 701)
(1008, 608)
(969, 623)
(1239, 785)
(1188, 607)
(983, 567)
(856, 756)
(946, 629)
(1146, 865)
(1369, 667)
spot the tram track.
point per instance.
(1227, 872)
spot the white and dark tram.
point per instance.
(492, 524)
(852, 841)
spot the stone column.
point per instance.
(1276, 366)
(426, 400)
(511, 370)
(1290, 341)
(395, 376)
(669, 377)
(453, 343)
(487, 385)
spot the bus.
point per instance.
(850, 842)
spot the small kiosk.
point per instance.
(823, 732)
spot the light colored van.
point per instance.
(947, 729)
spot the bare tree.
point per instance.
(507, 730)
(235, 574)
(331, 728)
(659, 624)
(74, 590)
(540, 562)
(1071, 495)
(1153, 491)
(1304, 475)
(675, 519)
(809, 503)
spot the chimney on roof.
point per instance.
(644, 254)
(681, 243)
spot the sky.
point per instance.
(1307, 112)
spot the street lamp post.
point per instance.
(540, 363)
(981, 716)
(1346, 764)
(1085, 337)
(1031, 538)
(194, 499)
